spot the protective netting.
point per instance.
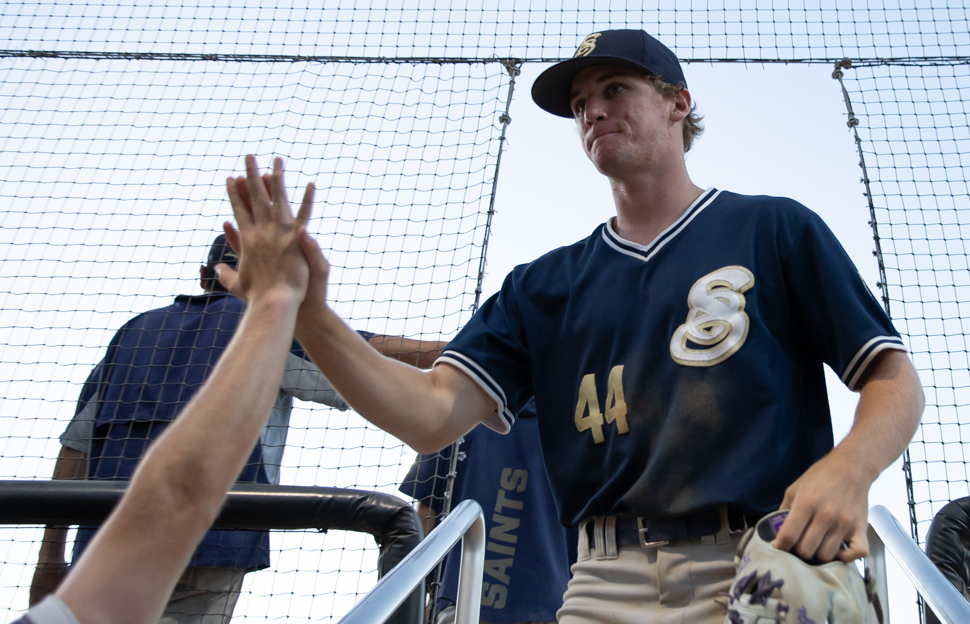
(526, 29)
(119, 121)
(113, 189)
(914, 122)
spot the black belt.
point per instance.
(674, 529)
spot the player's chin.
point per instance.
(610, 163)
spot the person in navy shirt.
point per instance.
(528, 551)
(128, 572)
(675, 357)
(153, 367)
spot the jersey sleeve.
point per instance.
(80, 431)
(844, 321)
(50, 610)
(302, 380)
(491, 349)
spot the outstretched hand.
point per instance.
(269, 239)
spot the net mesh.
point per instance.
(119, 121)
(526, 29)
(913, 122)
(113, 194)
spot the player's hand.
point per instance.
(315, 302)
(47, 577)
(271, 260)
(828, 505)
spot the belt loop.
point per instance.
(723, 535)
(599, 539)
(611, 550)
(582, 553)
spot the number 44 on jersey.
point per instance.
(589, 417)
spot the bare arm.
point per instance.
(51, 563)
(419, 353)
(829, 503)
(429, 517)
(426, 410)
(127, 573)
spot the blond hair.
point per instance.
(692, 122)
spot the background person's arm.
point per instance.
(51, 563)
(829, 503)
(418, 353)
(127, 573)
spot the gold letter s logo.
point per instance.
(716, 321)
(587, 46)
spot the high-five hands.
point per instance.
(270, 242)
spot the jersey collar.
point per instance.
(645, 252)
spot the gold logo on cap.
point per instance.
(588, 45)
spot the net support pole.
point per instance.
(853, 124)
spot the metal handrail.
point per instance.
(938, 593)
(466, 523)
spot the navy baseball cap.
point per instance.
(222, 252)
(629, 48)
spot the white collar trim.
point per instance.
(645, 252)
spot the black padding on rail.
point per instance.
(393, 522)
(948, 546)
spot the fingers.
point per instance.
(229, 279)
(232, 237)
(791, 530)
(314, 256)
(858, 547)
(306, 206)
(822, 536)
(260, 204)
(281, 204)
(240, 205)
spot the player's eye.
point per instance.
(614, 88)
(578, 107)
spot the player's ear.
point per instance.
(681, 107)
(202, 276)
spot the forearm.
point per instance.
(419, 353)
(829, 503)
(888, 413)
(70, 464)
(427, 410)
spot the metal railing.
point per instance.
(886, 533)
(466, 523)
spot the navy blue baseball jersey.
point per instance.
(683, 374)
(153, 367)
(528, 551)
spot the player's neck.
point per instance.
(647, 205)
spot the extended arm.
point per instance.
(51, 564)
(426, 410)
(127, 573)
(829, 503)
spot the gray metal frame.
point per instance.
(466, 523)
(938, 593)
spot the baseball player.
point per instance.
(154, 365)
(675, 357)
